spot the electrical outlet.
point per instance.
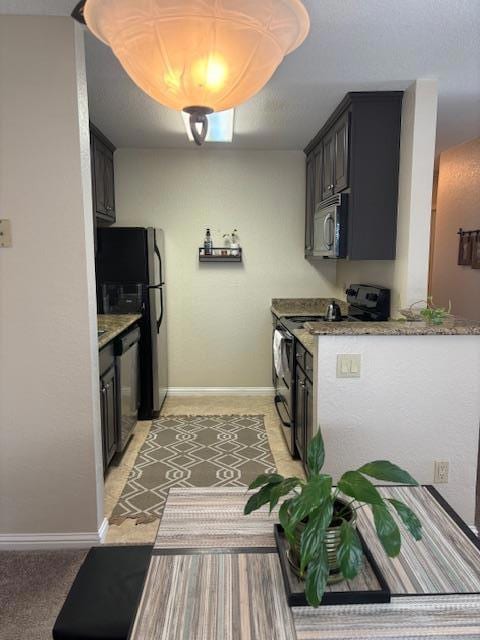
(349, 365)
(440, 471)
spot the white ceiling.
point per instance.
(353, 45)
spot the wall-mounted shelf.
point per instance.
(221, 254)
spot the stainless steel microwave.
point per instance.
(330, 228)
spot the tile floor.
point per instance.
(128, 531)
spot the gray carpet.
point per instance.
(193, 451)
(33, 588)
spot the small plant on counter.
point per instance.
(433, 314)
(319, 523)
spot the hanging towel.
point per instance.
(279, 359)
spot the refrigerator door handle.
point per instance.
(159, 256)
(160, 320)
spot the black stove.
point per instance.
(366, 303)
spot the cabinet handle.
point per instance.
(302, 384)
(107, 387)
(104, 391)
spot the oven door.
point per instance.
(284, 388)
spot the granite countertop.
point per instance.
(306, 338)
(285, 307)
(451, 327)
(114, 325)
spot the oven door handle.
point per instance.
(278, 400)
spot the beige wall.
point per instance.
(218, 316)
(51, 479)
(407, 276)
(458, 205)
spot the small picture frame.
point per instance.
(475, 248)
(464, 249)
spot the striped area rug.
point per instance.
(193, 451)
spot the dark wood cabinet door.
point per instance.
(103, 179)
(308, 392)
(310, 204)
(328, 158)
(99, 178)
(109, 188)
(104, 418)
(300, 413)
(341, 153)
(318, 174)
(108, 387)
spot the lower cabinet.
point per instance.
(308, 412)
(109, 410)
(108, 403)
(303, 403)
(300, 439)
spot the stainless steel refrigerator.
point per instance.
(131, 279)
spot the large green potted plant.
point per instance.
(319, 521)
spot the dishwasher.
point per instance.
(128, 371)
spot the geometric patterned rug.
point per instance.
(193, 451)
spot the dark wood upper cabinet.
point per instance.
(318, 184)
(310, 205)
(328, 168)
(103, 178)
(359, 147)
(341, 138)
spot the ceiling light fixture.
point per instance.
(199, 56)
(220, 126)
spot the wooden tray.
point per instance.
(369, 587)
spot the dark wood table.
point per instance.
(215, 575)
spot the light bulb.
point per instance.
(210, 73)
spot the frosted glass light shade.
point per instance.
(210, 53)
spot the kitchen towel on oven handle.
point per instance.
(279, 357)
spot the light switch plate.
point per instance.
(5, 234)
(349, 365)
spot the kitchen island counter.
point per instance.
(306, 338)
(451, 327)
(113, 326)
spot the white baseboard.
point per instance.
(52, 541)
(221, 391)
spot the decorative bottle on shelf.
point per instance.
(235, 245)
(208, 244)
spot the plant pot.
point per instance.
(332, 540)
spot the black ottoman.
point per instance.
(104, 597)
